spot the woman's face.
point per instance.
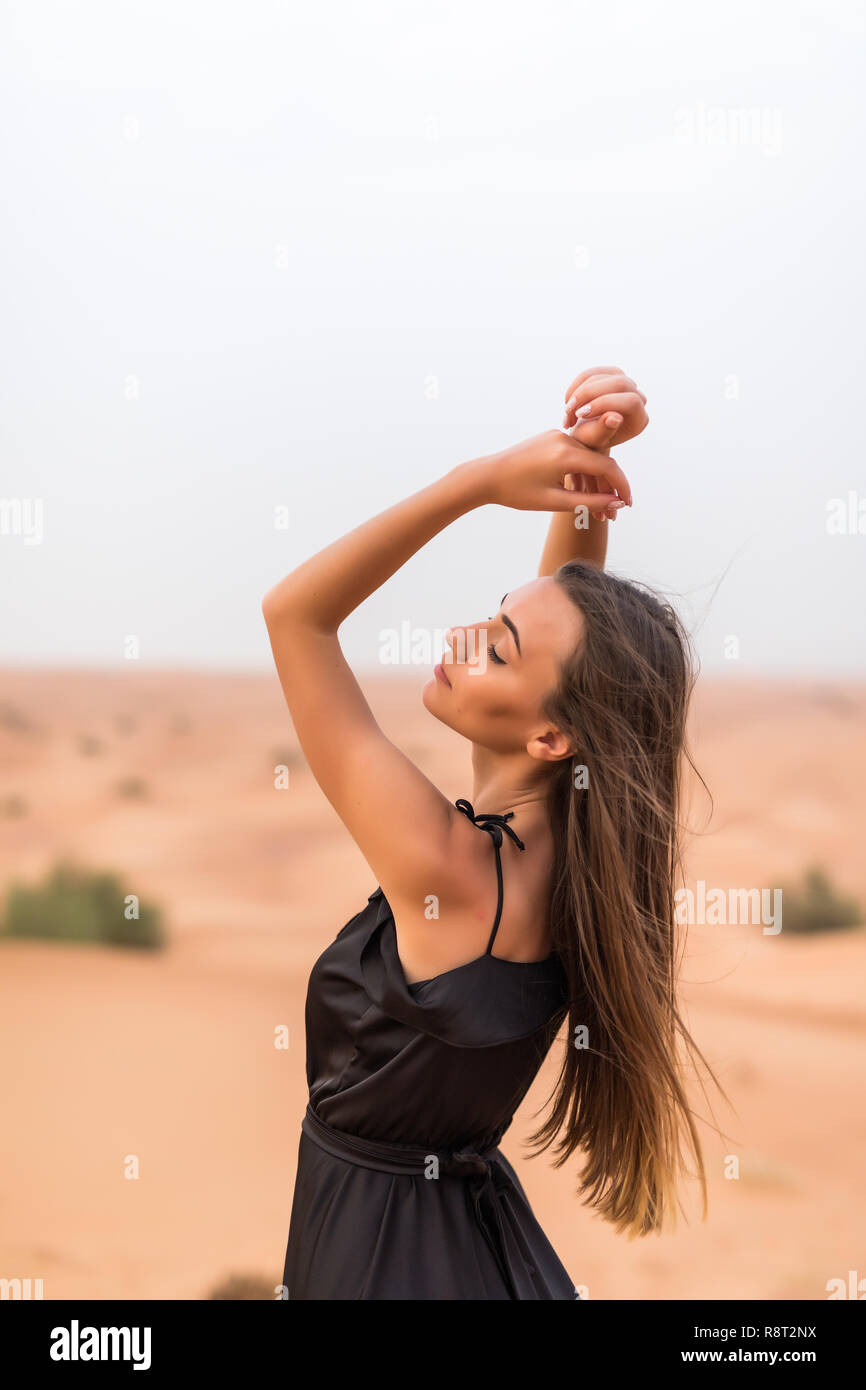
(495, 674)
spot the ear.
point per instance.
(551, 746)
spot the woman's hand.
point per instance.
(603, 408)
(597, 396)
(531, 476)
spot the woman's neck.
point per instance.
(504, 783)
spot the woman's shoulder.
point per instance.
(447, 921)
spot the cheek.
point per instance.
(484, 697)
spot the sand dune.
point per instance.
(168, 779)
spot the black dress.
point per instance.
(401, 1190)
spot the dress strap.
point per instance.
(496, 824)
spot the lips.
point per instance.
(440, 675)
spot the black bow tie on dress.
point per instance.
(489, 821)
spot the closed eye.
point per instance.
(494, 656)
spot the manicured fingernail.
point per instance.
(584, 409)
(616, 504)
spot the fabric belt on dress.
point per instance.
(484, 1173)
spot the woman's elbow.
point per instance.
(273, 605)
(283, 607)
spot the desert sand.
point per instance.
(170, 1056)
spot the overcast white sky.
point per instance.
(268, 254)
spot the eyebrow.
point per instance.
(509, 624)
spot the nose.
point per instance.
(464, 643)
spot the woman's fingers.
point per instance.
(607, 513)
(600, 376)
(604, 385)
(598, 465)
(601, 388)
(561, 500)
(583, 484)
(591, 371)
(630, 403)
(627, 404)
(605, 485)
(597, 384)
(598, 433)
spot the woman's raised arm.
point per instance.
(405, 828)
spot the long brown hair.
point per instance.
(622, 698)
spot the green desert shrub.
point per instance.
(15, 720)
(245, 1286)
(75, 905)
(815, 905)
(135, 788)
(90, 747)
(288, 757)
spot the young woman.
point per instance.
(430, 1014)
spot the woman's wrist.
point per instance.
(474, 482)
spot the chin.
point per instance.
(429, 693)
(433, 699)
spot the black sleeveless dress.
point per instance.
(401, 1190)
